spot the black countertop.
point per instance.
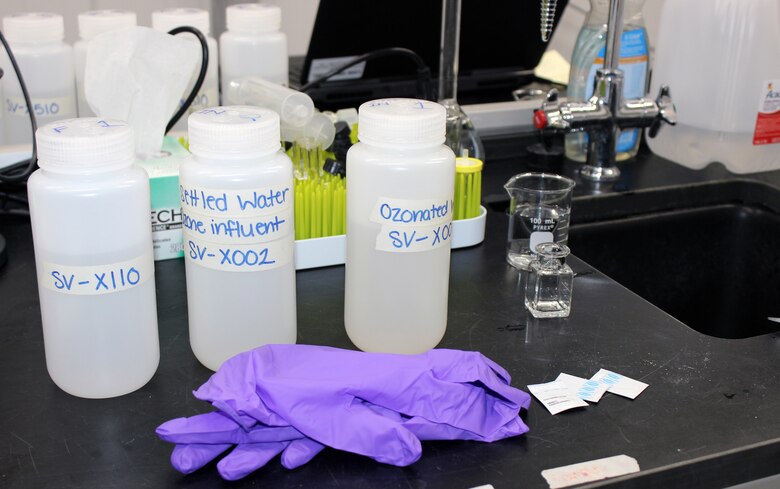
(708, 419)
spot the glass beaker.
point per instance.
(539, 208)
(548, 291)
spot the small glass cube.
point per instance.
(550, 280)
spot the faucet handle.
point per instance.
(552, 96)
(666, 111)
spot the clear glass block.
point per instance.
(550, 280)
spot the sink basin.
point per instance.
(708, 254)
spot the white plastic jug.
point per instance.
(724, 76)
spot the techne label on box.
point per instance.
(97, 279)
(410, 226)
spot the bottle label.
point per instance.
(768, 119)
(97, 279)
(253, 229)
(412, 225)
(235, 203)
(42, 107)
(238, 257)
(238, 230)
(633, 62)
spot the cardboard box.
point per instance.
(166, 208)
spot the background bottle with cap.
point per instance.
(46, 62)
(91, 24)
(236, 193)
(89, 207)
(167, 19)
(252, 45)
(399, 221)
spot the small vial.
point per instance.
(168, 19)
(91, 24)
(89, 207)
(236, 195)
(550, 280)
(253, 44)
(46, 63)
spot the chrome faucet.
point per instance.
(607, 112)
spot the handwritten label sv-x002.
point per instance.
(97, 279)
(237, 257)
(412, 225)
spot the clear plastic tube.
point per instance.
(294, 108)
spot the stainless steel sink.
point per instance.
(708, 254)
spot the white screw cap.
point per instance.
(34, 27)
(401, 121)
(88, 144)
(253, 18)
(233, 131)
(97, 22)
(167, 19)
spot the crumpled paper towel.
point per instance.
(139, 75)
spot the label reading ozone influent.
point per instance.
(97, 279)
(413, 225)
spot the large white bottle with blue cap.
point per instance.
(399, 227)
(236, 195)
(90, 207)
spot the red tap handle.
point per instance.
(540, 119)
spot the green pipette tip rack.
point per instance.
(320, 198)
(468, 188)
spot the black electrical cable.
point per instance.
(423, 72)
(201, 75)
(19, 172)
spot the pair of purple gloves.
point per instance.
(297, 399)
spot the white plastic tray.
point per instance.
(324, 252)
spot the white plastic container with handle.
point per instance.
(724, 77)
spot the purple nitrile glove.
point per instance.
(329, 395)
(200, 439)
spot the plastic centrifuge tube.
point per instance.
(294, 108)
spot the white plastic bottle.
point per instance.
(46, 63)
(724, 77)
(89, 207)
(399, 221)
(91, 24)
(588, 56)
(253, 45)
(167, 19)
(236, 194)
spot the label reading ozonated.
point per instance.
(412, 225)
(97, 279)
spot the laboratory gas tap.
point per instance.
(606, 112)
